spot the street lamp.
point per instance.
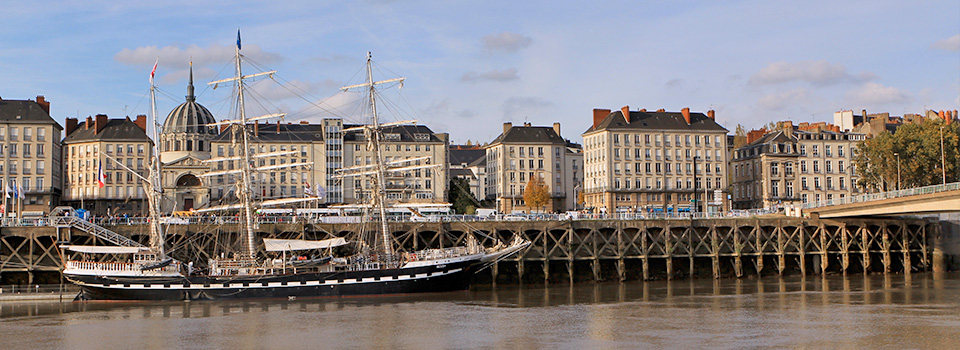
(897, 154)
(943, 157)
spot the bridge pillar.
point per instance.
(885, 247)
(844, 247)
(520, 271)
(493, 272)
(905, 246)
(715, 251)
(737, 251)
(644, 253)
(802, 248)
(668, 250)
(824, 245)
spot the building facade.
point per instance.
(185, 142)
(522, 152)
(640, 161)
(469, 162)
(30, 155)
(274, 147)
(427, 185)
(793, 165)
(100, 145)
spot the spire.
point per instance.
(190, 97)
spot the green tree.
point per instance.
(918, 147)
(460, 196)
(536, 194)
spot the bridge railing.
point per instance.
(869, 197)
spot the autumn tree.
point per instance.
(740, 137)
(536, 194)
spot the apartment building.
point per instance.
(469, 162)
(794, 164)
(427, 185)
(30, 146)
(522, 152)
(640, 161)
(102, 144)
(273, 148)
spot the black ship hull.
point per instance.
(423, 279)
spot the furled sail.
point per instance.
(277, 245)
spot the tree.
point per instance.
(536, 194)
(739, 137)
(460, 196)
(919, 149)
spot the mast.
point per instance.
(373, 134)
(245, 190)
(155, 191)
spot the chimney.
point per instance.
(256, 128)
(100, 123)
(141, 122)
(71, 125)
(711, 114)
(304, 122)
(224, 127)
(278, 126)
(625, 110)
(643, 109)
(43, 103)
(599, 115)
(661, 110)
(526, 124)
(556, 128)
(89, 122)
(686, 114)
(507, 126)
(864, 114)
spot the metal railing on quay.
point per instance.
(37, 288)
(869, 197)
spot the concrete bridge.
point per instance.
(563, 250)
(913, 201)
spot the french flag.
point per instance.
(101, 177)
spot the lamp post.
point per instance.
(943, 157)
(897, 154)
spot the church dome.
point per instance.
(190, 117)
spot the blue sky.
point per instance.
(470, 66)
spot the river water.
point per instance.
(855, 312)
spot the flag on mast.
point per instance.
(238, 39)
(307, 190)
(101, 177)
(6, 191)
(19, 191)
(154, 71)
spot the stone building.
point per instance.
(640, 161)
(99, 144)
(30, 146)
(428, 185)
(794, 164)
(522, 152)
(469, 162)
(185, 142)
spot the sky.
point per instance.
(472, 65)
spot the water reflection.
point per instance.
(916, 310)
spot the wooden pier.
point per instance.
(563, 251)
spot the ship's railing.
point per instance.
(37, 288)
(434, 254)
(110, 266)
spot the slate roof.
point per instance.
(116, 130)
(657, 121)
(406, 133)
(24, 111)
(529, 134)
(458, 172)
(466, 156)
(288, 133)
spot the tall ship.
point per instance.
(286, 268)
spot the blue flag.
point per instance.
(238, 39)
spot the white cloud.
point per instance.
(950, 44)
(516, 107)
(180, 57)
(781, 100)
(876, 94)
(814, 72)
(506, 42)
(509, 74)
